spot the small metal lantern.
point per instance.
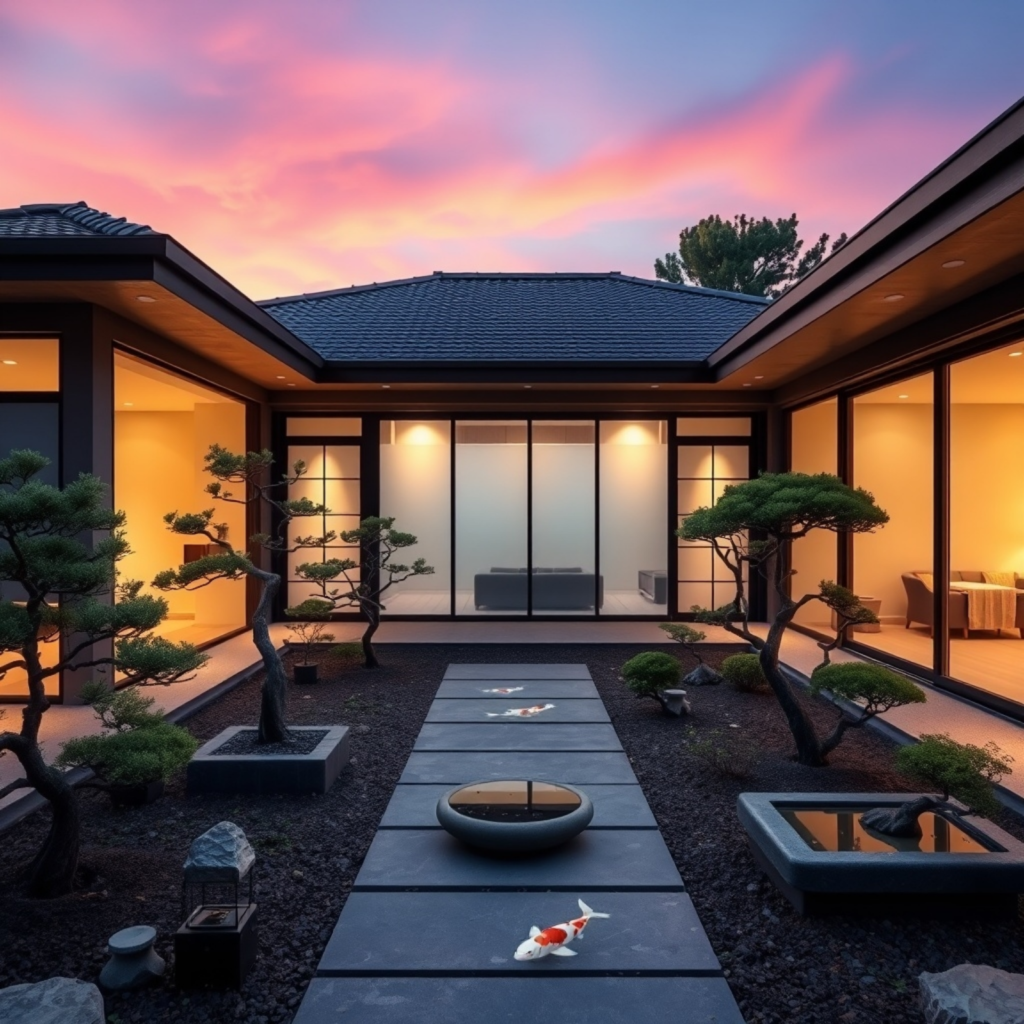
(216, 944)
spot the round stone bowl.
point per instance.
(514, 815)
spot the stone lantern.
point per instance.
(216, 944)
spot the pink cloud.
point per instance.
(291, 163)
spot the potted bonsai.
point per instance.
(961, 770)
(308, 633)
(137, 751)
(655, 674)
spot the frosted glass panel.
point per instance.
(695, 563)
(712, 426)
(490, 517)
(695, 460)
(323, 426)
(732, 461)
(341, 461)
(634, 498)
(342, 496)
(694, 494)
(691, 594)
(415, 488)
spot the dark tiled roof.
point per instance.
(42, 220)
(516, 317)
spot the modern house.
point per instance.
(544, 434)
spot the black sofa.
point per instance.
(553, 590)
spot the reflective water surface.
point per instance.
(517, 800)
(839, 829)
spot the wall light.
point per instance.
(144, 298)
(895, 297)
(953, 264)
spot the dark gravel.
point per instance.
(245, 743)
(781, 967)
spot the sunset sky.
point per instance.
(319, 143)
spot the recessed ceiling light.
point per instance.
(10, 362)
(280, 376)
(129, 403)
(953, 264)
(758, 376)
(291, 385)
(144, 298)
(527, 386)
(903, 396)
(385, 386)
(1012, 354)
(655, 385)
(748, 385)
(895, 297)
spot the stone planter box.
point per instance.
(983, 883)
(315, 772)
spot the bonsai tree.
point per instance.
(312, 629)
(870, 689)
(755, 524)
(848, 612)
(377, 573)
(939, 763)
(651, 673)
(138, 746)
(66, 585)
(690, 638)
(251, 474)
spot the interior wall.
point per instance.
(563, 506)
(986, 488)
(814, 448)
(155, 473)
(893, 457)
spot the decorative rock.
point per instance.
(703, 675)
(133, 961)
(972, 994)
(221, 854)
(675, 702)
(54, 1001)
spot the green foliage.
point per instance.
(312, 631)
(845, 603)
(118, 710)
(156, 658)
(649, 673)
(786, 506)
(724, 751)
(139, 755)
(743, 671)
(682, 633)
(351, 649)
(756, 257)
(961, 770)
(874, 688)
(715, 616)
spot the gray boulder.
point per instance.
(703, 675)
(54, 1001)
(221, 854)
(972, 994)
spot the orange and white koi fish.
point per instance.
(556, 939)
(520, 712)
(504, 690)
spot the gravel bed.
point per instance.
(245, 743)
(782, 968)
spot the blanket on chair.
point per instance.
(989, 606)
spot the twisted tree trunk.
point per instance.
(372, 614)
(272, 727)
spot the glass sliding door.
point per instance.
(814, 448)
(893, 458)
(563, 529)
(491, 517)
(634, 528)
(416, 489)
(986, 522)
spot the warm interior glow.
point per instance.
(29, 364)
(643, 433)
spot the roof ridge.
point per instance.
(81, 213)
(476, 275)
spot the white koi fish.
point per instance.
(520, 712)
(554, 940)
(504, 690)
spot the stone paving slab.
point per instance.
(507, 736)
(518, 1000)
(648, 932)
(574, 767)
(534, 671)
(614, 807)
(597, 859)
(477, 711)
(529, 691)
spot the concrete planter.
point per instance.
(315, 772)
(818, 881)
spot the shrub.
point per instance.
(649, 673)
(962, 770)
(875, 688)
(723, 751)
(743, 671)
(311, 632)
(134, 756)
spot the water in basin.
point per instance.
(512, 801)
(838, 829)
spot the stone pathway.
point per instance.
(428, 932)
